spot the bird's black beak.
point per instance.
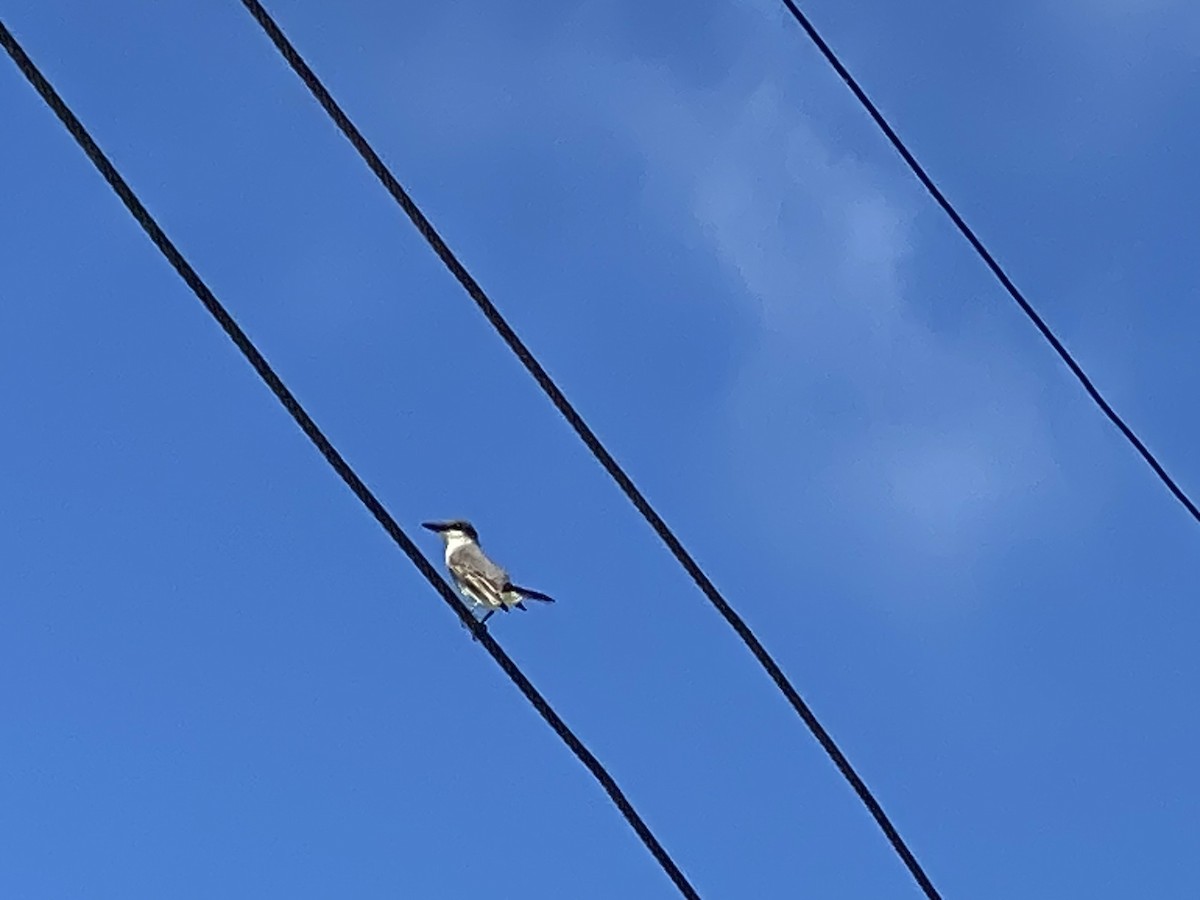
(434, 526)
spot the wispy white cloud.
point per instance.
(926, 438)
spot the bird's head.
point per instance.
(456, 528)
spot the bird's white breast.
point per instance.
(454, 542)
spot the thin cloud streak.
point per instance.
(849, 394)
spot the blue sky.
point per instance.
(218, 678)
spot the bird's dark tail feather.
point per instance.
(532, 595)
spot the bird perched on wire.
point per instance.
(481, 581)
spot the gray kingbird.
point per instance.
(480, 580)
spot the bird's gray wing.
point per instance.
(478, 574)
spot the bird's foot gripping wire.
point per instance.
(477, 625)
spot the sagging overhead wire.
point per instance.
(581, 428)
(334, 458)
(990, 261)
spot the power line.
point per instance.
(990, 261)
(333, 457)
(576, 421)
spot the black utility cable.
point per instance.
(989, 260)
(333, 457)
(585, 432)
